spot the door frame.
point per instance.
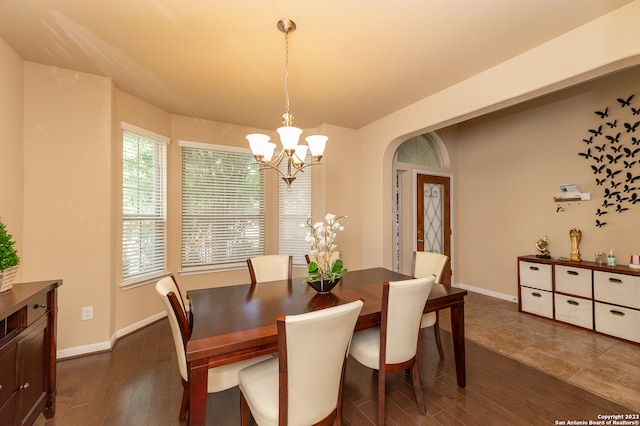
(414, 214)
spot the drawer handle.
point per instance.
(25, 386)
(573, 302)
(573, 273)
(615, 280)
(536, 294)
(41, 305)
(534, 268)
(614, 312)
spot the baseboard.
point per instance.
(484, 291)
(106, 346)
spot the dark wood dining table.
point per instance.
(239, 322)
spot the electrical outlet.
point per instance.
(87, 313)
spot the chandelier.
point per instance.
(294, 153)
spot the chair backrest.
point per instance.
(312, 351)
(180, 330)
(402, 307)
(426, 264)
(272, 267)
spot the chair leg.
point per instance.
(185, 401)
(381, 391)
(244, 411)
(417, 387)
(436, 331)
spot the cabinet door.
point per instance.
(535, 301)
(574, 310)
(8, 399)
(535, 275)
(576, 281)
(618, 321)
(31, 368)
(619, 289)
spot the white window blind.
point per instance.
(143, 205)
(294, 207)
(222, 208)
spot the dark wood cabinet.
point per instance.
(28, 352)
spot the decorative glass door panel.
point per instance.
(433, 217)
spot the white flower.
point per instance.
(321, 238)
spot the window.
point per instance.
(144, 204)
(222, 207)
(294, 207)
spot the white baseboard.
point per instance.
(106, 346)
(503, 296)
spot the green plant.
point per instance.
(8, 254)
(321, 236)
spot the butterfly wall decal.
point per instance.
(625, 102)
(596, 132)
(631, 127)
(587, 154)
(616, 162)
(613, 139)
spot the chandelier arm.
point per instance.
(275, 162)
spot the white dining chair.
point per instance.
(220, 378)
(393, 346)
(427, 264)
(303, 386)
(271, 267)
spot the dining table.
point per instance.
(238, 322)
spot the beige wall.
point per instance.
(68, 195)
(11, 150)
(511, 165)
(69, 146)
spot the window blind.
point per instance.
(294, 207)
(143, 206)
(222, 208)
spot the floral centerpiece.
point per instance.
(324, 269)
(9, 259)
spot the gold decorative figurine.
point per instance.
(576, 236)
(542, 245)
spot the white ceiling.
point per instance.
(351, 62)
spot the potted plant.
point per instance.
(9, 259)
(324, 269)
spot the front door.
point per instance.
(434, 218)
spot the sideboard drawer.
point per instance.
(575, 281)
(618, 321)
(536, 275)
(536, 301)
(574, 310)
(618, 289)
(37, 307)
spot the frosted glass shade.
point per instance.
(316, 144)
(268, 154)
(300, 154)
(258, 144)
(289, 136)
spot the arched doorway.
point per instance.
(422, 200)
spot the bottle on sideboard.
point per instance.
(611, 259)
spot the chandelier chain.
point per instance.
(286, 72)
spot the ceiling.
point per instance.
(351, 62)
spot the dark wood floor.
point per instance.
(138, 384)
